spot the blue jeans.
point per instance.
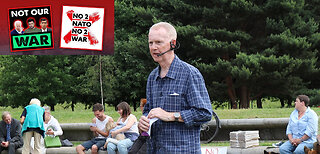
(287, 148)
(122, 146)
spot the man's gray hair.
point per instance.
(172, 33)
(16, 22)
(4, 114)
(47, 109)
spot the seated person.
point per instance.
(51, 124)
(302, 127)
(130, 130)
(98, 129)
(10, 134)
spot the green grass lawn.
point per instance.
(80, 115)
(85, 116)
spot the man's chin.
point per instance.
(156, 58)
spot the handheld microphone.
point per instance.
(172, 47)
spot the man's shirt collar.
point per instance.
(172, 73)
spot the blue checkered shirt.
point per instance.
(181, 90)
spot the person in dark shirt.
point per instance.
(32, 28)
(18, 29)
(10, 134)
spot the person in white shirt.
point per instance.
(130, 130)
(98, 127)
(51, 124)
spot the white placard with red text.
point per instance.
(82, 28)
(214, 150)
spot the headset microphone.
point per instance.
(172, 47)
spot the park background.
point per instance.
(255, 57)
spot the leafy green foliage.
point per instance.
(246, 50)
(44, 77)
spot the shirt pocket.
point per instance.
(175, 102)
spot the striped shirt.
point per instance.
(181, 90)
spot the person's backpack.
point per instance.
(139, 146)
(66, 143)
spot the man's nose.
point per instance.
(153, 46)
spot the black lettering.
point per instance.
(44, 39)
(74, 23)
(33, 40)
(81, 23)
(77, 16)
(88, 24)
(21, 40)
(73, 38)
(74, 31)
(79, 39)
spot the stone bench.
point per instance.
(72, 150)
(71, 131)
(61, 150)
(269, 128)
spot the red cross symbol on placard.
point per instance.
(93, 18)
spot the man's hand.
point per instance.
(50, 132)
(296, 142)
(5, 144)
(143, 124)
(93, 129)
(161, 114)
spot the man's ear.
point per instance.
(173, 42)
(174, 45)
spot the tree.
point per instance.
(245, 49)
(132, 60)
(44, 77)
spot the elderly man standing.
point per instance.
(10, 133)
(176, 95)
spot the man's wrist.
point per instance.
(171, 116)
(176, 116)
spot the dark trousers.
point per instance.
(139, 146)
(11, 148)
